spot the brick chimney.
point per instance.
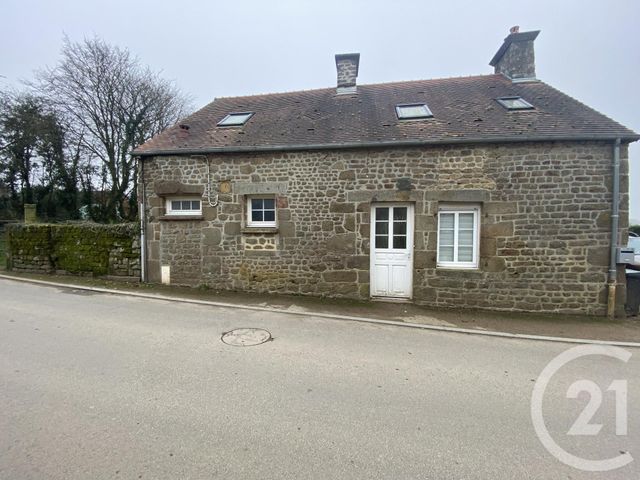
(347, 66)
(516, 58)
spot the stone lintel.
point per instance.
(165, 188)
(260, 188)
(384, 196)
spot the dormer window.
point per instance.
(514, 103)
(236, 119)
(413, 111)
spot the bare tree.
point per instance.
(112, 104)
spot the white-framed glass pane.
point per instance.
(457, 238)
(235, 119)
(399, 228)
(400, 241)
(446, 253)
(465, 254)
(413, 111)
(262, 211)
(465, 220)
(183, 206)
(382, 213)
(465, 238)
(382, 241)
(268, 203)
(382, 228)
(447, 220)
(400, 214)
(515, 103)
(447, 237)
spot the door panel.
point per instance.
(381, 279)
(392, 250)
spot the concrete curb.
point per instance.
(440, 328)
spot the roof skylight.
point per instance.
(235, 119)
(413, 110)
(514, 103)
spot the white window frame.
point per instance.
(457, 210)
(524, 105)
(251, 223)
(179, 212)
(231, 119)
(402, 116)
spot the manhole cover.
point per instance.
(246, 337)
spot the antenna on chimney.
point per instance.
(514, 29)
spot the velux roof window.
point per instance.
(514, 103)
(235, 119)
(413, 111)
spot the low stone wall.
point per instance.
(83, 249)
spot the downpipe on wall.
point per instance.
(615, 223)
(143, 214)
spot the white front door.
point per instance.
(391, 250)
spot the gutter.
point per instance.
(393, 143)
(615, 222)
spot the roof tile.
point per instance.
(464, 109)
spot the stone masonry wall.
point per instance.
(77, 249)
(544, 222)
(347, 68)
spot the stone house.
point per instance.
(494, 191)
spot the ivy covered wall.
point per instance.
(83, 249)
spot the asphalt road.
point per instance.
(97, 386)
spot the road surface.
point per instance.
(96, 386)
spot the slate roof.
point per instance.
(464, 110)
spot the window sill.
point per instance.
(460, 271)
(180, 218)
(259, 230)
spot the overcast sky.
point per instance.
(588, 49)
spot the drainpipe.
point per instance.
(615, 222)
(143, 215)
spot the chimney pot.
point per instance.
(347, 65)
